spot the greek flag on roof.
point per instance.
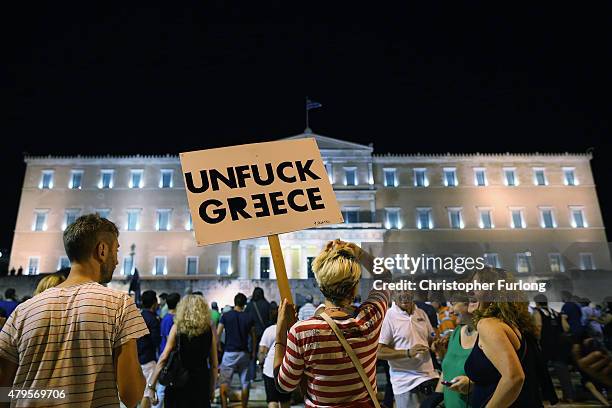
(312, 104)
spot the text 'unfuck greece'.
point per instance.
(213, 211)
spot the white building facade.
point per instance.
(546, 202)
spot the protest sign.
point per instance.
(256, 190)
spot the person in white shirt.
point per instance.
(405, 339)
(274, 398)
(307, 310)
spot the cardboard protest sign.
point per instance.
(257, 190)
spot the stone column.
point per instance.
(301, 272)
(373, 211)
(243, 267)
(256, 262)
(235, 258)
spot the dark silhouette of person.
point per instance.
(12, 272)
(20, 271)
(135, 287)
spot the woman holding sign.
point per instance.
(335, 352)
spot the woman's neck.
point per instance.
(337, 305)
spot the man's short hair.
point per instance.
(9, 293)
(240, 300)
(81, 237)
(308, 298)
(540, 299)
(172, 300)
(149, 297)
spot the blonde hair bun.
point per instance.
(337, 271)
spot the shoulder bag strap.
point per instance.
(258, 314)
(178, 345)
(351, 353)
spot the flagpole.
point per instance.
(306, 106)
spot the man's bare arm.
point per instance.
(219, 330)
(537, 322)
(263, 352)
(7, 376)
(130, 380)
(389, 353)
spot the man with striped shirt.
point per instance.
(79, 337)
(311, 349)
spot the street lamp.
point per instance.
(132, 253)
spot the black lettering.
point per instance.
(261, 204)
(314, 195)
(219, 212)
(302, 171)
(258, 180)
(236, 206)
(277, 201)
(229, 181)
(191, 187)
(281, 175)
(241, 175)
(292, 203)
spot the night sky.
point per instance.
(151, 77)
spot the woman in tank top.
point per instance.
(460, 345)
(502, 373)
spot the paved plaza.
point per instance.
(258, 396)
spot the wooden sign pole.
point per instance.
(279, 268)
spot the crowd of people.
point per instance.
(435, 349)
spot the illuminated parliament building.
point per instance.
(527, 212)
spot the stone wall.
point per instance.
(592, 284)
(220, 290)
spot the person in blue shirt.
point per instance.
(10, 303)
(239, 327)
(571, 315)
(148, 345)
(168, 320)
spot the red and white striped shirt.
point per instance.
(314, 351)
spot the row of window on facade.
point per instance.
(424, 218)
(160, 265)
(390, 179)
(162, 219)
(107, 179)
(393, 218)
(523, 264)
(450, 178)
